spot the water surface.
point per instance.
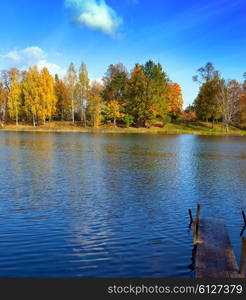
(113, 205)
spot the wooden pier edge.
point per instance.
(243, 258)
(214, 256)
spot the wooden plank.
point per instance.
(243, 258)
(214, 254)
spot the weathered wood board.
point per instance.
(214, 254)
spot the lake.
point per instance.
(113, 205)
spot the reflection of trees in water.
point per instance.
(135, 173)
(31, 162)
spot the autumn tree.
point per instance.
(3, 101)
(189, 114)
(15, 96)
(31, 91)
(242, 109)
(39, 95)
(63, 106)
(175, 100)
(155, 96)
(229, 97)
(147, 89)
(137, 86)
(95, 103)
(206, 104)
(48, 97)
(142, 95)
(72, 81)
(113, 111)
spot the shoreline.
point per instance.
(103, 130)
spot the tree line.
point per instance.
(219, 100)
(140, 97)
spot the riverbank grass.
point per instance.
(199, 128)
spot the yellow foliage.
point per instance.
(114, 109)
(95, 103)
(39, 94)
(14, 96)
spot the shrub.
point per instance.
(128, 120)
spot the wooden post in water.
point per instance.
(196, 224)
(191, 218)
(198, 212)
(244, 227)
(190, 213)
(244, 217)
(243, 258)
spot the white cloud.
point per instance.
(28, 57)
(53, 68)
(95, 14)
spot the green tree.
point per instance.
(128, 120)
(82, 92)
(157, 89)
(206, 103)
(115, 82)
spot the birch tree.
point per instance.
(229, 97)
(83, 88)
(72, 80)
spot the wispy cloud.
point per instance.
(20, 58)
(30, 56)
(95, 14)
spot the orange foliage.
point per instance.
(242, 112)
(175, 99)
(189, 116)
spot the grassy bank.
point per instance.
(200, 128)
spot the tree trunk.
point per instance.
(114, 122)
(73, 118)
(227, 128)
(17, 121)
(83, 118)
(34, 121)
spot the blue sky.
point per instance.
(181, 35)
